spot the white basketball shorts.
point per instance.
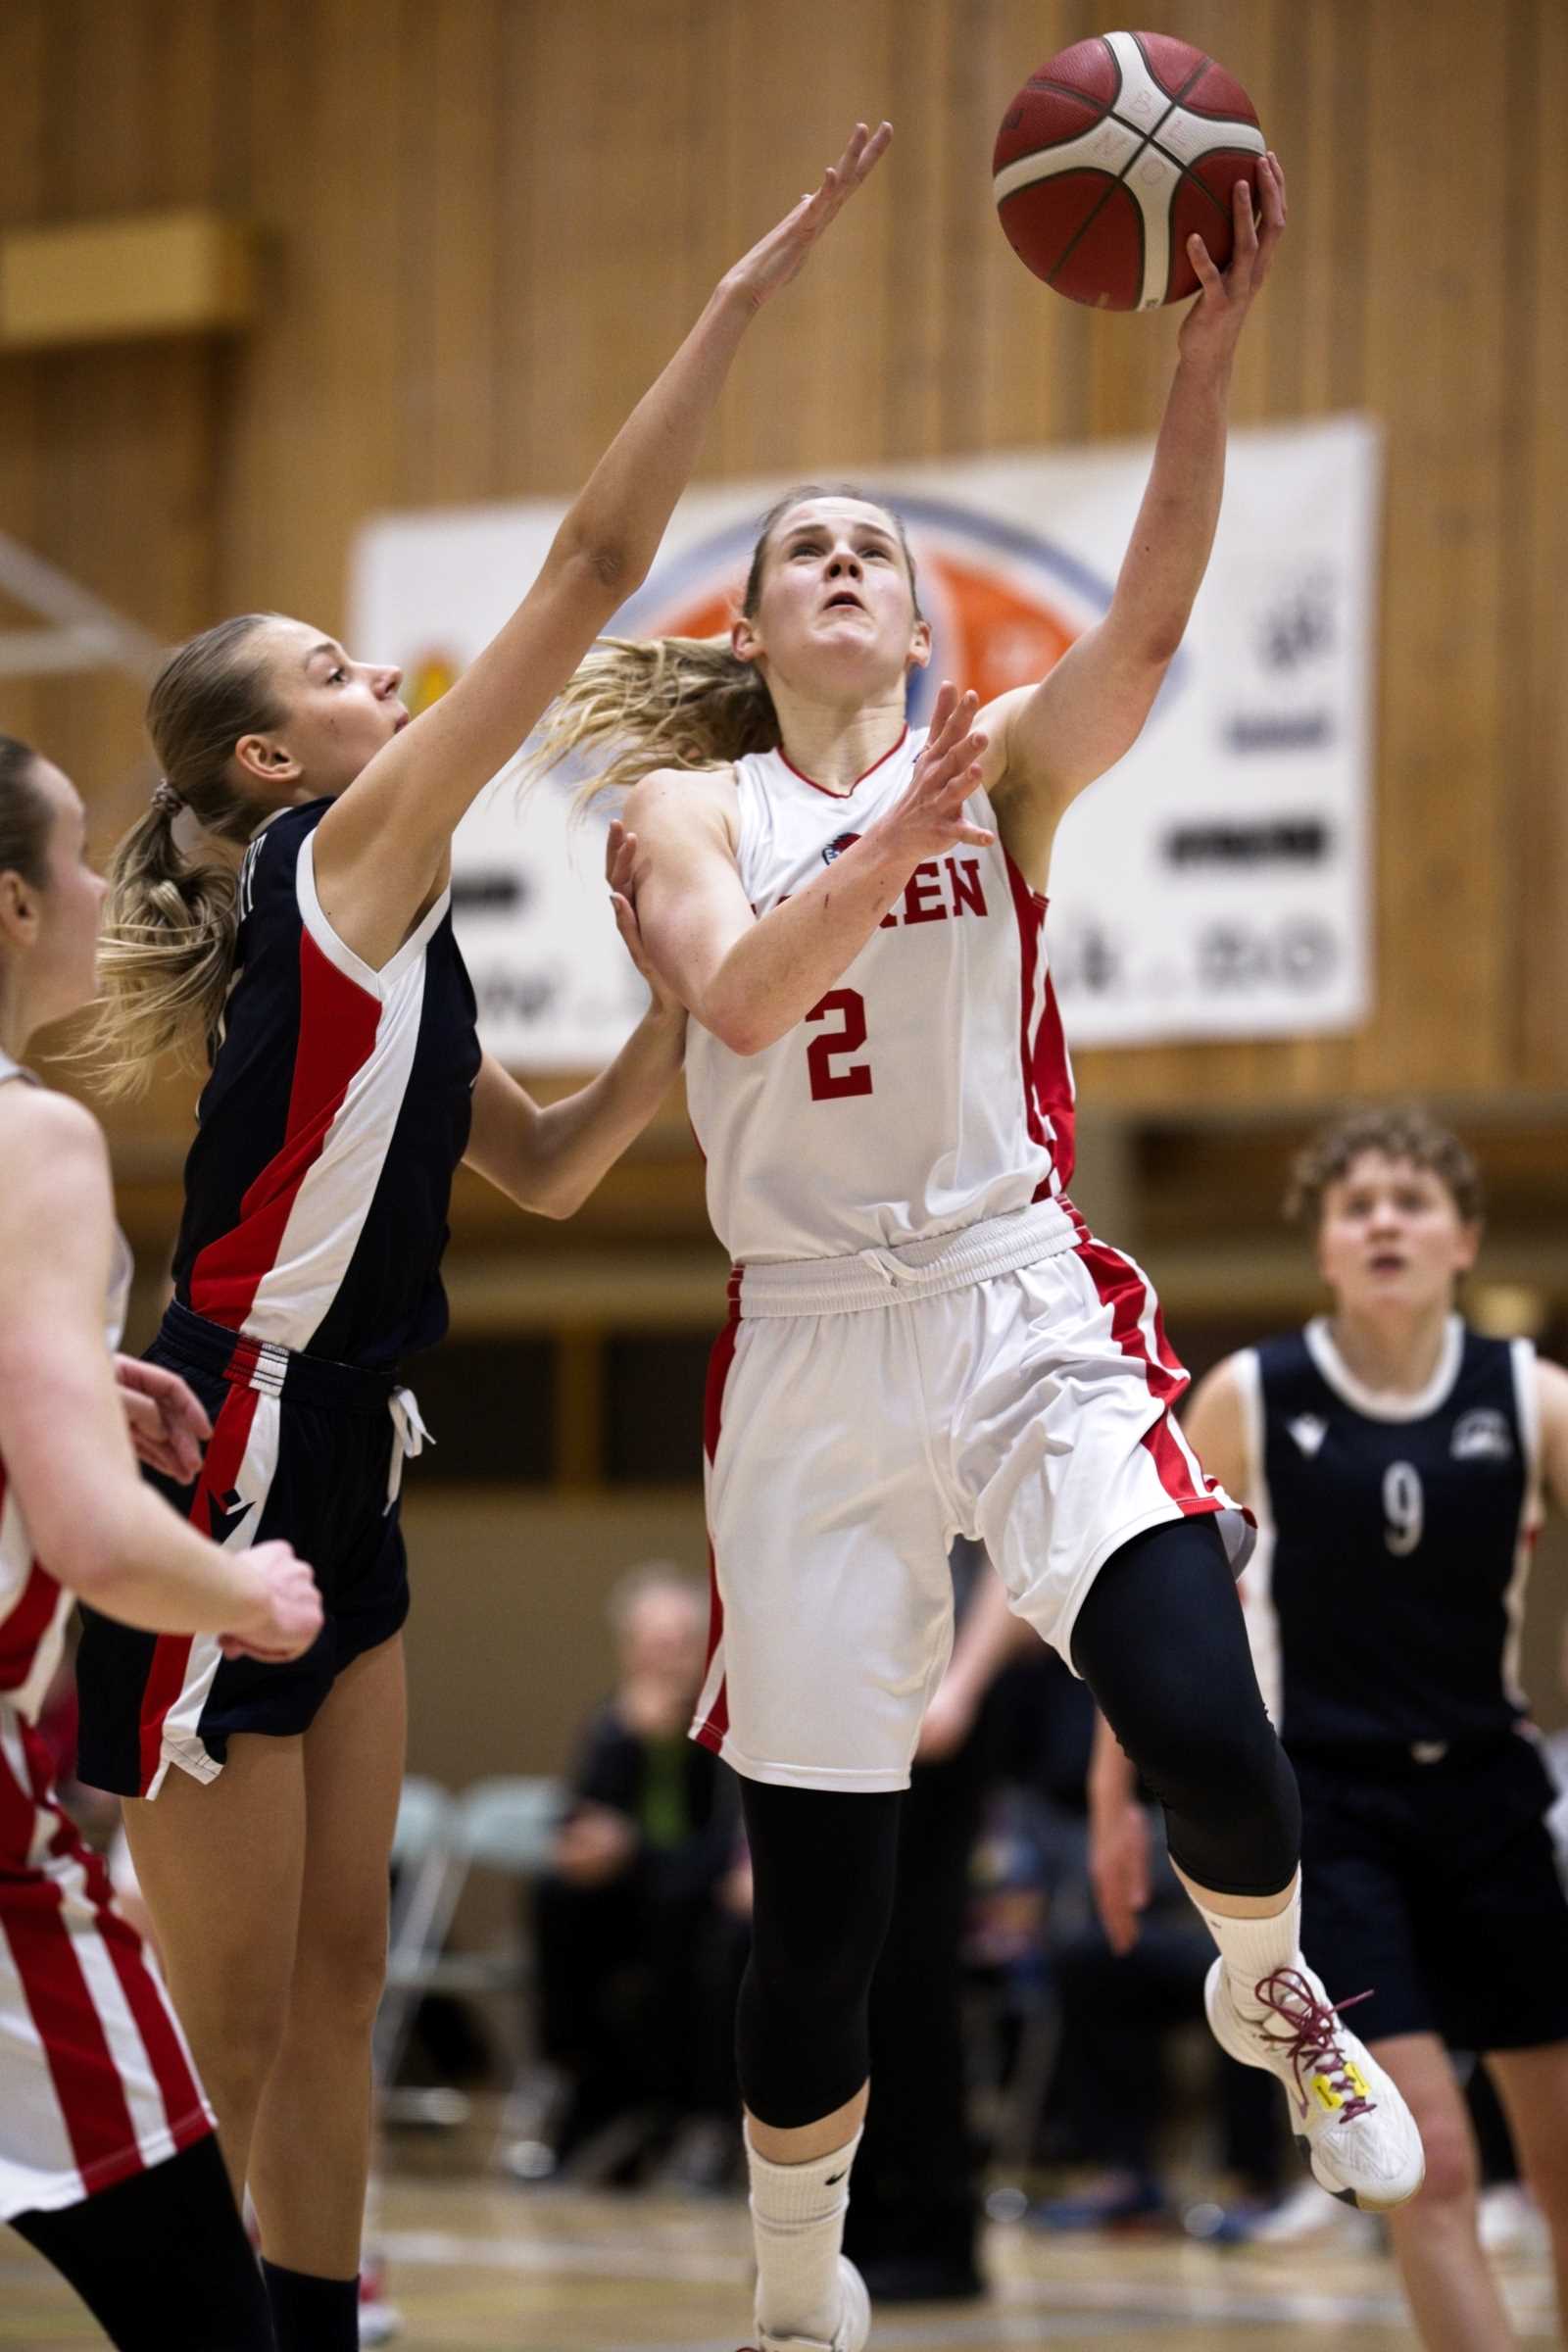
(96, 2078)
(1011, 1382)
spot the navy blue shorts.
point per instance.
(301, 1449)
(1437, 1887)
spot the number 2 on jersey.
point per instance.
(1403, 1508)
(829, 1085)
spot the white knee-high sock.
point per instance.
(1254, 1948)
(798, 2224)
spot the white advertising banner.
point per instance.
(1213, 884)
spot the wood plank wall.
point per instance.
(489, 220)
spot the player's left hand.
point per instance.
(775, 258)
(621, 864)
(1216, 320)
(168, 1423)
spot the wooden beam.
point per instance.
(113, 281)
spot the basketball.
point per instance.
(1108, 159)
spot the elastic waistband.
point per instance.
(277, 1371)
(1366, 1760)
(897, 1275)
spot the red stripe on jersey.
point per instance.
(1030, 909)
(711, 1732)
(59, 1998)
(1053, 1081)
(27, 1625)
(1048, 1092)
(338, 1023)
(1122, 1289)
(166, 1677)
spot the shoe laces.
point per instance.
(1311, 2037)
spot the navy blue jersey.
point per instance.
(1395, 1539)
(328, 1132)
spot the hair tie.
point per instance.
(166, 798)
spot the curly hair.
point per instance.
(1398, 1130)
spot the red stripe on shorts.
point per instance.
(166, 1677)
(1120, 1287)
(27, 1622)
(81, 2065)
(177, 2087)
(711, 1732)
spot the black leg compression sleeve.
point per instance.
(1161, 1642)
(823, 1868)
(161, 2261)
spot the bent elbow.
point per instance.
(607, 564)
(739, 1031)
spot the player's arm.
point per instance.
(549, 1159)
(990, 1636)
(92, 1522)
(1119, 1840)
(381, 852)
(1551, 1401)
(1215, 1426)
(748, 980)
(1051, 740)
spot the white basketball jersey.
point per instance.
(33, 1605)
(929, 1088)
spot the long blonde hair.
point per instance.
(677, 702)
(170, 922)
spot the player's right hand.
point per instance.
(286, 1616)
(929, 817)
(1118, 1868)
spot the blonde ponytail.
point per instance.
(676, 702)
(167, 957)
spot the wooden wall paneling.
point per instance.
(22, 50)
(807, 394)
(601, 306)
(322, 443)
(1026, 346)
(518, 331)
(131, 104)
(1437, 368)
(1535, 555)
(929, 154)
(1322, 82)
(449, 236)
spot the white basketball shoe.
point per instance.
(1349, 2120)
(852, 2331)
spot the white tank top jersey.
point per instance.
(33, 1607)
(930, 1087)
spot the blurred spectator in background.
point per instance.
(641, 1923)
(914, 2220)
(1117, 2015)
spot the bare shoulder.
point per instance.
(673, 799)
(1551, 1394)
(1221, 1389)
(37, 1122)
(56, 1165)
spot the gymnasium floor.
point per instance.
(475, 2264)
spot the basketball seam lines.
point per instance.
(1119, 178)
